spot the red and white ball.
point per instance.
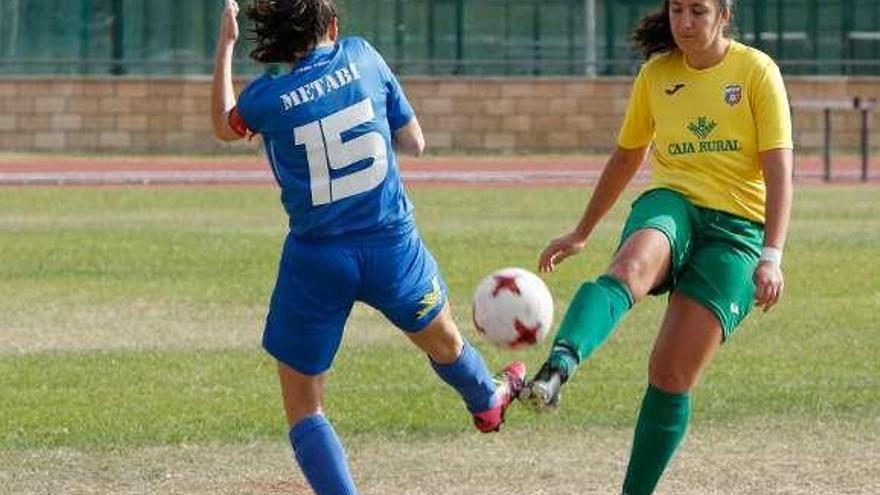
(513, 308)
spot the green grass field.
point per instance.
(130, 321)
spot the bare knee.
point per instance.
(672, 377)
(302, 394)
(440, 339)
(446, 347)
(635, 273)
(642, 262)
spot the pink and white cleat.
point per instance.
(508, 384)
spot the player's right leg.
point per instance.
(313, 296)
(403, 281)
(461, 366)
(653, 246)
(595, 311)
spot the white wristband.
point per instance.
(772, 255)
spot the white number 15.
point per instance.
(325, 151)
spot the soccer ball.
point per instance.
(513, 308)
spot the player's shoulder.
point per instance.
(364, 54)
(259, 94)
(660, 63)
(750, 56)
(356, 44)
(260, 84)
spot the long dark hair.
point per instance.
(654, 32)
(285, 30)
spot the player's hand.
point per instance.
(229, 23)
(559, 249)
(769, 284)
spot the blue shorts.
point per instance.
(318, 282)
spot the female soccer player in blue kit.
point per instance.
(330, 127)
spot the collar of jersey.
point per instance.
(314, 54)
(730, 48)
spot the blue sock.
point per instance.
(469, 376)
(321, 456)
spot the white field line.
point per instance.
(145, 177)
(463, 177)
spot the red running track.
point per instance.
(435, 171)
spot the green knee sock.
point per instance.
(591, 317)
(660, 429)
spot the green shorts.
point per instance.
(714, 254)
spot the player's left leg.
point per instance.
(313, 295)
(688, 339)
(318, 450)
(712, 296)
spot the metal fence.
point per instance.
(468, 37)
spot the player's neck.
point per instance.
(710, 57)
(329, 38)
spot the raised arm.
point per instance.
(619, 171)
(222, 93)
(769, 282)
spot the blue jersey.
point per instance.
(327, 126)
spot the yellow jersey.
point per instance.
(708, 126)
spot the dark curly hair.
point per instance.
(654, 32)
(286, 30)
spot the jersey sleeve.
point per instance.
(771, 110)
(237, 123)
(637, 130)
(247, 109)
(399, 111)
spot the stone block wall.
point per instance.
(496, 115)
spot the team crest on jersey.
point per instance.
(733, 94)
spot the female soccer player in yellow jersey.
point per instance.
(710, 230)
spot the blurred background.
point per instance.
(131, 312)
(485, 76)
(430, 37)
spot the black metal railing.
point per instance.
(460, 37)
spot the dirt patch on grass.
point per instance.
(158, 325)
(772, 458)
